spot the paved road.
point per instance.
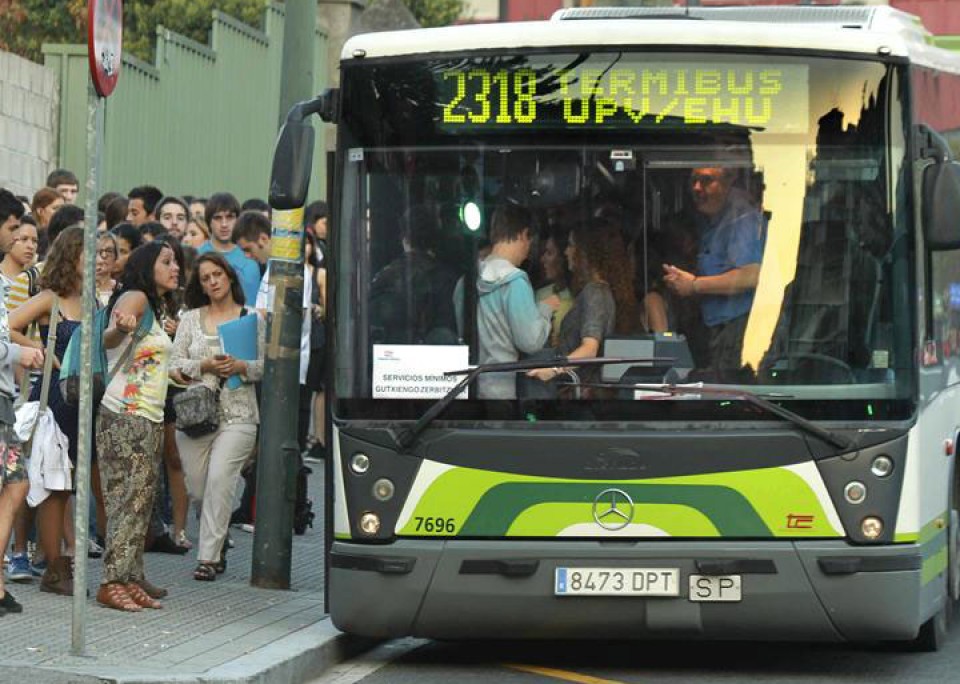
(416, 661)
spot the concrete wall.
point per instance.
(29, 103)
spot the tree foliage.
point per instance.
(25, 25)
(436, 12)
(190, 18)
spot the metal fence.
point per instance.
(201, 119)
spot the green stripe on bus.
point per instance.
(754, 503)
(904, 537)
(554, 518)
(934, 527)
(933, 566)
(729, 511)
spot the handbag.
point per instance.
(198, 407)
(49, 466)
(100, 376)
(198, 410)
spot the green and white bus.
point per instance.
(807, 493)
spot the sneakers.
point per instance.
(19, 569)
(8, 604)
(38, 567)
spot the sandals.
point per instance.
(205, 572)
(182, 540)
(114, 595)
(221, 565)
(153, 591)
(141, 597)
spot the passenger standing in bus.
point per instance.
(728, 263)
(557, 274)
(605, 301)
(509, 320)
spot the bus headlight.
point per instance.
(370, 523)
(882, 466)
(855, 492)
(383, 489)
(360, 463)
(871, 527)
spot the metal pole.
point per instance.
(299, 38)
(279, 448)
(85, 431)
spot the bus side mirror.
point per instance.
(941, 205)
(292, 161)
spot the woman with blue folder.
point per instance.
(212, 461)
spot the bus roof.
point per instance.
(864, 30)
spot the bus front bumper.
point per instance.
(790, 590)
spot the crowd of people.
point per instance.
(698, 279)
(169, 271)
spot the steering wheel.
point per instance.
(811, 356)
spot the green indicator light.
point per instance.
(725, 403)
(471, 217)
(531, 418)
(870, 410)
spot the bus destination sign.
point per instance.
(771, 97)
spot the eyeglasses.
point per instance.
(107, 253)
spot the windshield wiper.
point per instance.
(752, 398)
(407, 439)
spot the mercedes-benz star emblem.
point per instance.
(613, 509)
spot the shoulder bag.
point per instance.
(198, 406)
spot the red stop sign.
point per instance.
(104, 41)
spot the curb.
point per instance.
(303, 655)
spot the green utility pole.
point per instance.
(299, 43)
(279, 449)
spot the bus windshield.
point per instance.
(741, 216)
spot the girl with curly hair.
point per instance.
(61, 282)
(605, 302)
(129, 429)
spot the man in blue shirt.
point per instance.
(732, 233)
(221, 213)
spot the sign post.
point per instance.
(104, 41)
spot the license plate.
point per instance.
(616, 582)
(715, 588)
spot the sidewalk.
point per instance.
(213, 632)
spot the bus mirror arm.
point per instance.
(293, 154)
(408, 438)
(931, 145)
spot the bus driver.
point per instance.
(732, 235)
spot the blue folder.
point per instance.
(239, 340)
